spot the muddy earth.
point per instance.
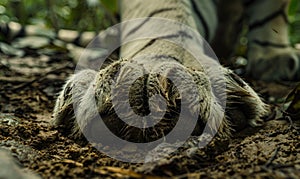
(31, 148)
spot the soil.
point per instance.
(29, 87)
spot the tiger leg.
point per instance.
(230, 22)
(241, 98)
(155, 55)
(270, 54)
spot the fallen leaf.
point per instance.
(293, 110)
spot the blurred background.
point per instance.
(81, 15)
(89, 15)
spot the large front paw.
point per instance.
(143, 102)
(140, 102)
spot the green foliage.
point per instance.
(81, 15)
(24, 13)
(111, 5)
(294, 18)
(294, 7)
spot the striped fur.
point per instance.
(243, 104)
(269, 53)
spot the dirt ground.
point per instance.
(28, 90)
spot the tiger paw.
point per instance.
(137, 102)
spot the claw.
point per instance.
(257, 122)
